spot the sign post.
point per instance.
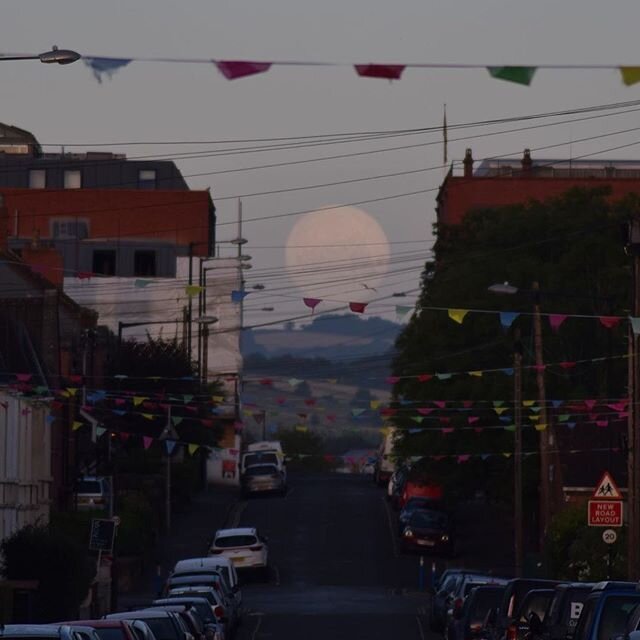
(605, 509)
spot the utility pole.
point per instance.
(517, 458)
(633, 449)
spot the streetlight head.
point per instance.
(258, 287)
(59, 56)
(239, 241)
(246, 265)
(505, 289)
(206, 320)
(245, 257)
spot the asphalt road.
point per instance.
(336, 571)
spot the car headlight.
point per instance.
(408, 533)
(444, 537)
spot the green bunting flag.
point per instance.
(519, 75)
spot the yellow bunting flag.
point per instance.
(301, 427)
(72, 391)
(247, 413)
(374, 404)
(193, 290)
(499, 410)
(540, 427)
(332, 380)
(148, 416)
(76, 425)
(534, 418)
(630, 75)
(65, 394)
(138, 400)
(475, 374)
(385, 431)
(528, 403)
(457, 315)
(506, 454)
(217, 398)
(192, 448)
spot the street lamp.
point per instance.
(55, 56)
(205, 322)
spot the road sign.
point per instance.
(607, 488)
(605, 513)
(116, 520)
(609, 536)
(102, 535)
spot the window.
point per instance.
(104, 262)
(144, 263)
(37, 178)
(70, 228)
(229, 542)
(72, 179)
(147, 179)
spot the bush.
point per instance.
(137, 531)
(60, 565)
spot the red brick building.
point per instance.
(501, 182)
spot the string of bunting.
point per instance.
(234, 69)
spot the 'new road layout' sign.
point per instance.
(605, 508)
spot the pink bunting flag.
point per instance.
(312, 303)
(447, 430)
(441, 404)
(266, 382)
(424, 411)
(602, 423)
(206, 422)
(424, 377)
(358, 307)
(472, 419)
(281, 401)
(618, 406)
(539, 367)
(567, 365)
(623, 414)
(556, 320)
(444, 419)
(146, 441)
(119, 401)
(478, 429)
(392, 379)
(23, 377)
(310, 402)
(75, 379)
(463, 458)
(467, 404)
(609, 322)
(386, 71)
(233, 69)
(590, 404)
(124, 436)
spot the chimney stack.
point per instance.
(468, 164)
(527, 163)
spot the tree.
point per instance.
(568, 244)
(61, 566)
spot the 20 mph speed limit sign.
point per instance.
(609, 536)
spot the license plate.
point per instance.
(426, 543)
(238, 559)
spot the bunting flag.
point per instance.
(425, 377)
(500, 410)
(105, 66)
(233, 69)
(635, 325)
(402, 311)
(357, 412)
(609, 322)
(556, 320)
(519, 75)
(24, 377)
(443, 376)
(457, 315)
(49, 419)
(140, 283)
(192, 448)
(540, 427)
(386, 71)
(392, 379)
(358, 307)
(238, 296)
(176, 420)
(100, 431)
(508, 371)
(425, 411)
(76, 425)
(148, 416)
(417, 419)
(146, 441)
(630, 75)
(169, 445)
(475, 374)
(294, 382)
(312, 303)
(567, 365)
(193, 290)
(374, 404)
(507, 318)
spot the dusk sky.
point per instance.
(163, 102)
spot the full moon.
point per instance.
(338, 254)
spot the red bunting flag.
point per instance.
(310, 402)
(472, 419)
(425, 411)
(206, 422)
(567, 365)
(609, 322)
(331, 418)
(467, 404)
(447, 430)
(23, 377)
(386, 71)
(590, 404)
(556, 320)
(358, 307)
(232, 69)
(538, 367)
(444, 419)
(312, 303)
(478, 429)
(392, 379)
(424, 377)
(618, 406)
(281, 401)
(463, 457)
(266, 382)
(124, 436)
(388, 411)
(75, 379)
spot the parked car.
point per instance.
(395, 487)
(218, 563)
(115, 629)
(450, 588)
(245, 547)
(214, 630)
(530, 615)
(466, 623)
(415, 503)
(607, 611)
(262, 478)
(419, 484)
(428, 530)
(93, 492)
(190, 616)
(38, 632)
(219, 605)
(385, 463)
(165, 625)
(564, 611)
(515, 592)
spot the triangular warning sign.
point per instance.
(607, 488)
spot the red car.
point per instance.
(418, 486)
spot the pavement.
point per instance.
(190, 534)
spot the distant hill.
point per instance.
(328, 337)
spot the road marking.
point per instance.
(236, 514)
(254, 635)
(394, 542)
(420, 628)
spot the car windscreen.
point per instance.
(429, 519)
(110, 634)
(615, 613)
(262, 470)
(88, 486)
(537, 604)
(163, 628)
(229, 542)
(260, 458)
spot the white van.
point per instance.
(261, 453)
(385, 464)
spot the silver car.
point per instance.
(263, 478)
